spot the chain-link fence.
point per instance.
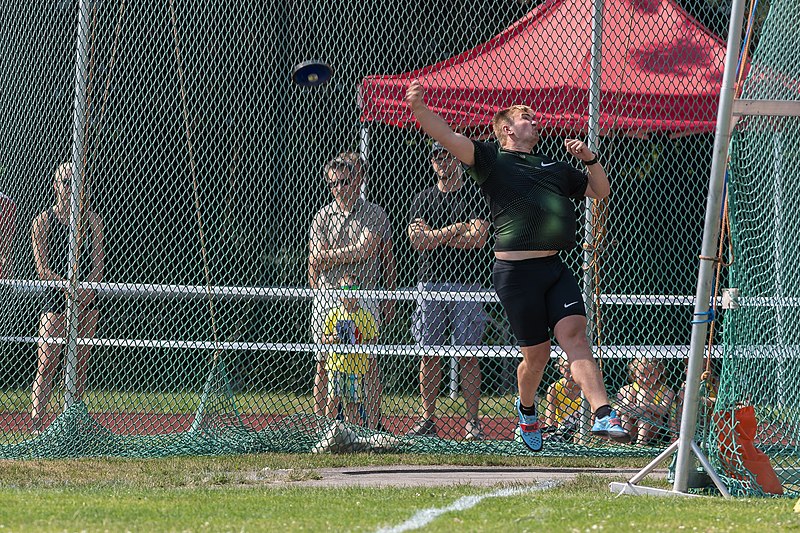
(208, 234)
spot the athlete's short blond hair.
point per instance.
(504, 117)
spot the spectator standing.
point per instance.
(448, 228)
(349, 235)
(50, 237)
(346, 327)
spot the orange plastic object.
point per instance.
(737, 432)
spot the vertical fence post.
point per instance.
(595, 78)
(75, 223)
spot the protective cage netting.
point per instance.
(208, 251)
(758, 402)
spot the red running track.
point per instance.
(132, 423)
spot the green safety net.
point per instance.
(760, 363)
(174, 311)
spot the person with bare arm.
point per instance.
(349, 235)
(448, 227)
(50, 235)
(532, 201)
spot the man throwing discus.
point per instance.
(532, 201)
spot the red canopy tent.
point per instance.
(661, 71)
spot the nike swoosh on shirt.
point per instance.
(548, 164)
(569, 305)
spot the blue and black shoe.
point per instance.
(530, 430)
(610, 427)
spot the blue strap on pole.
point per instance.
(708, 314)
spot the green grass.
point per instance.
(208, 509)
(222, 494)
(179, 472)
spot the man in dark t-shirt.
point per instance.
(531, 198)
(448, 226)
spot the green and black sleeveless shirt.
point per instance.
(531, 198)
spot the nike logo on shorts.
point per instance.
(549, 165)
(569, 305)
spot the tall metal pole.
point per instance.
(595, 76)
(593, 134)
(78, 132)
(710, 237)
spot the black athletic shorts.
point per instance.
(536, 294)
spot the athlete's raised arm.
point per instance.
(436, 127)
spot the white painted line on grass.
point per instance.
(426, 516)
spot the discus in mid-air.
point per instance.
(311, 73)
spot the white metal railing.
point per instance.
(147, 290)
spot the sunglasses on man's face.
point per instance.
(343, 182)
(442, 160)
